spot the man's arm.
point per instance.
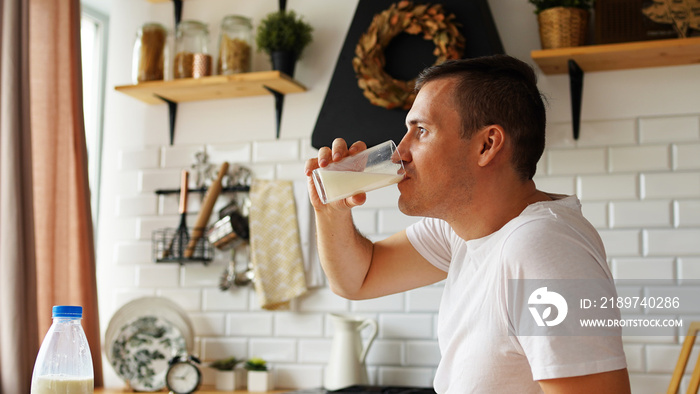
(357, 268)
(613, 382)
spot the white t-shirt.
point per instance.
(548, 240)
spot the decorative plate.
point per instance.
(142, 349)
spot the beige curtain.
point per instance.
(19, 341)
(56, 264)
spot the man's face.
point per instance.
(438, 177)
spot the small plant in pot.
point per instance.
(258, 375)
(227, 377)
(562, 23)
(283, 35)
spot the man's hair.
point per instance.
(498, 90)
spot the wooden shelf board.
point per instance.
(213, 87)
(622, 56)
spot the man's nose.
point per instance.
(404, 148)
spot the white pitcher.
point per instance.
(346, 366)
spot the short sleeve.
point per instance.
(431, 238)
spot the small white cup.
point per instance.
(368, 170)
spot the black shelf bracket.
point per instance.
(279, 103)
(279, 97)
(177, 6)
(576, 89)
(172, 113)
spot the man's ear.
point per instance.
(491, 139)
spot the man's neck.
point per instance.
(492, 206)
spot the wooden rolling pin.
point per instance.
(205, 211)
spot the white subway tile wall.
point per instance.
(139, 159)
(686, 156)
(638, 180)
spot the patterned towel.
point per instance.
(275, 244)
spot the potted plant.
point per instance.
(283, 36)
(226, 373)
(258, 375)
(562, 23)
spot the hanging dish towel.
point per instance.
(275, 244)
(307, 232)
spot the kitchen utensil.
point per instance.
(244, 278)
(228, 229)
(205, 212)
(181, 236)
(234, 276)
(346, 366)
(227, 277)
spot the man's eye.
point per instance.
(421, 131)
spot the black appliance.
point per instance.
(364, 389)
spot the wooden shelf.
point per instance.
(214, 87)
(622, 56)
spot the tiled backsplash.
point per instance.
(641, 190)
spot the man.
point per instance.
(475, 134)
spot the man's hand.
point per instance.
(325, 157)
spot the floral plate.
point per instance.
(141, 351)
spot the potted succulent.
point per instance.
(258, 375)
(562, 23)
(226, 373)
(283, 35)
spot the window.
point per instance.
(93, 41)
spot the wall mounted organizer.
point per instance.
(213, 87)
(577, 60)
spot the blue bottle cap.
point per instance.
(67, 311)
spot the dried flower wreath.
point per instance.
(379, 87)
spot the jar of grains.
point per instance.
(192, 59)
(235, 45)
(150, 52)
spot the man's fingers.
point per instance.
(340, 149)
(356, 200)
(311, 165)
(324, 156)
(357, 147)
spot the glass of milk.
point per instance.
(370, 169)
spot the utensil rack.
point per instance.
(234, 188)
(167, 248)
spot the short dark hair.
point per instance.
(498, 90)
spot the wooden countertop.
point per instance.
(202, 390)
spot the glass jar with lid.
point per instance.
(192, 58)
(235, 45)
(150, 52)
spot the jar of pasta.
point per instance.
(192, 58)
(235, 45)
(150, 52)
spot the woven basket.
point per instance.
(562, 27)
